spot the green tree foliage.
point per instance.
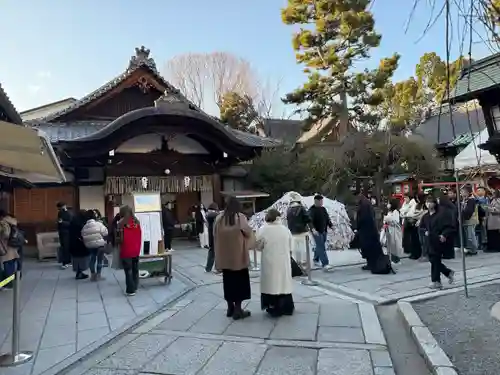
(238, 111)
(407, 101)
(432, 76)
(337, 34)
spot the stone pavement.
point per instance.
(326, 335)
(412, 278)
(60, 315)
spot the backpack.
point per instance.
(382, 266)
(16, 238)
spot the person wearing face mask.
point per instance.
(439, 230)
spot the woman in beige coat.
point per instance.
(233, 238)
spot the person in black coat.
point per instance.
(439, 229)
(213, 211)
(79, 253)
(168, 221)
(367, 234)
(63, 222)
(445, 204)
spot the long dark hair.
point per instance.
(233, 208)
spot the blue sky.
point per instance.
(57, 49)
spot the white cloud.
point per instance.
(44, 74)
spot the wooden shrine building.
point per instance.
(481, 81)
(136, 133)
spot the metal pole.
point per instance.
(309, 281)
(255, 267)
(16, 357)
(461, 235)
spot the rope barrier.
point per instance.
(7, 280)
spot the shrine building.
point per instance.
(136, 133)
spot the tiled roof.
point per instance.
(482, 75)
(9, 108)
(136, 62)
(462, 139)
(439, 130)
(71, 131)
(58, 131)
(287, 131)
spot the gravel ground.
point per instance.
(465, 329)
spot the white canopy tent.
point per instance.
(472, 157)
(27, 154)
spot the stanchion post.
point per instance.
(309, 281)
(15, 357)
(461, 235)
(255, 267)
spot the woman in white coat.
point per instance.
(275, 241)
(394, 231)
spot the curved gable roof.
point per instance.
(9, 109)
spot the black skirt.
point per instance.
(493, 244)
(236, 285)
(277, 304)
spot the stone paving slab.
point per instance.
(193, 336)
(60, 315)
(412, 278)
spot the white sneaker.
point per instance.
(328, 268)
(317, 265)
(451, 278)
(64, 266)
(436, 285)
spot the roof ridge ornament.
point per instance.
(169, 97)
(142, 58)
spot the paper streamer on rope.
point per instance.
(338, 238)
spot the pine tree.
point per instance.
(336, 35)
(238, 111)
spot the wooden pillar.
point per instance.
(216, 187)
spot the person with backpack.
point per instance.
(9, 243)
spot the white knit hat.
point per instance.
(295, 197)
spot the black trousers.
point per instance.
(131, 269)
(167, 237)
(438, 268)
(64, 249)
(210, 259)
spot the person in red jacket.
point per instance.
(130, 233)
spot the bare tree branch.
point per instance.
(204, 78)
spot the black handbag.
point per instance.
(296, 269)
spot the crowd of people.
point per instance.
(429, 227)
(85, 239)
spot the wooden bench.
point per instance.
(47, 244)
(146, 262)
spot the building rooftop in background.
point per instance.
(8, 112)
(480, 76)
(443, 127)
(287, 131)
(47, 109)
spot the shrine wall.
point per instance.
(92, 197)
